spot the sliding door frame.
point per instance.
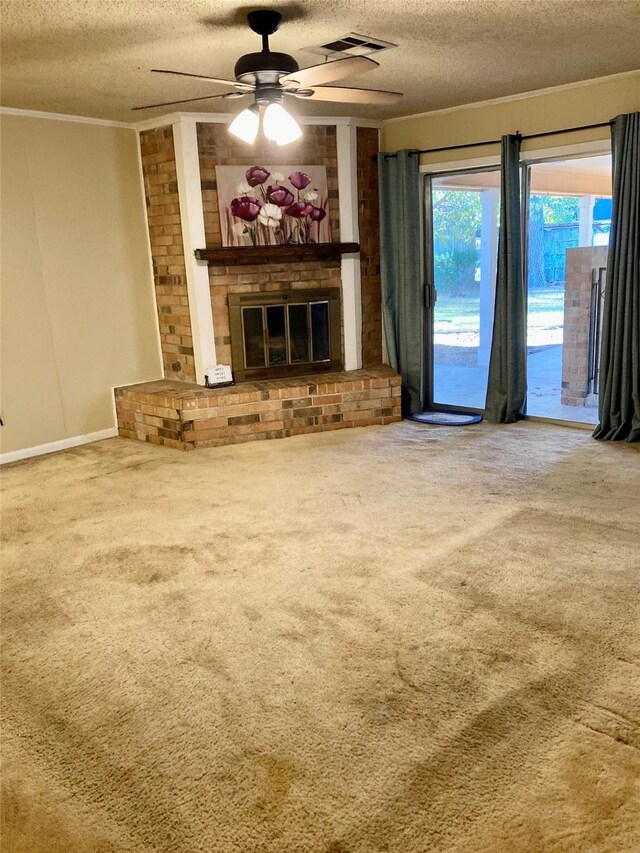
(430, 171)
(526, 164)
(430, 295)
(535, 159)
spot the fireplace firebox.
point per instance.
(288, 333)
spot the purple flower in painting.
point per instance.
(300, 180)
(256, 175)
(299, 209)
(317, 214)
(246, 207)
(279, 195)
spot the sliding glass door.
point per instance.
(569, 215)
(464, 216)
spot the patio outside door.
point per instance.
(464, 219)
(569, 217)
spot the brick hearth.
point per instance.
(185, 416)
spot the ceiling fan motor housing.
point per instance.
(263, 68)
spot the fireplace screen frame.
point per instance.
(240, 301)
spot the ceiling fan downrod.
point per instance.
(265, 22)
(267, 67)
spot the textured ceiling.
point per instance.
(92, 57)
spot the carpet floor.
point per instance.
(399, 639)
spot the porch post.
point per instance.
(585, 220)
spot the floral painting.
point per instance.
(273, 205)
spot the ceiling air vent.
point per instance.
(352, 44)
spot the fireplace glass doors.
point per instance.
(284, 334)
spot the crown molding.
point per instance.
(563, 87)
(227, 118)
(366, 122)
(102, 122)
(173, 118)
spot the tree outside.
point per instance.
(553, 228)
(457, 216)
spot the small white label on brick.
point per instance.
(219, 373)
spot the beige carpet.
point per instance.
(402, 639)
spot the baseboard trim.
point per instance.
(560, 422)
(54, 446)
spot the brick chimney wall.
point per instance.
(216, 147)
(165, 235)
(369, 223)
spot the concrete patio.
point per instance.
(461, 385)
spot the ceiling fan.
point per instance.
(268, 76)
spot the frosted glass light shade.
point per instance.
(245, 125)
(279, 125)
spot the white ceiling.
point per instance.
(92, 57)
(578, 176)
(581, 165)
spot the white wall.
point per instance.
(78, 311)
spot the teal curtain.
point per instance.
(507, 381)
(619, 387)
(400, 270)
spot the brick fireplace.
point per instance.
(217, 148)
(196, 300)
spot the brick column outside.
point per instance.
(577, 307)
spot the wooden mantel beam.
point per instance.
(231, 255)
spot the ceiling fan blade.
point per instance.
(184, 101)
(347, 95)
(202, 77)
(316, 75)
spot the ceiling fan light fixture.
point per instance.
(245, 125)
(270, 75)
(279, 125)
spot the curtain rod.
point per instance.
(497, 141)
